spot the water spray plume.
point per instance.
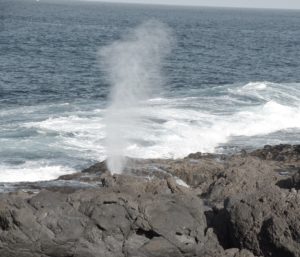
(133, 67)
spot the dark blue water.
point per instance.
(232, 81)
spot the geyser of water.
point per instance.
(133, 67)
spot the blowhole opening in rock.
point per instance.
(147, 233)
(109, 202)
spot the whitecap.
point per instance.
(32, 171)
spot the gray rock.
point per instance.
(235, 206)
(266, 222)
(144, 220)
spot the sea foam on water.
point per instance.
(133, 67)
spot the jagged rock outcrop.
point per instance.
(266, 222)
(128, 217)
(243, 205)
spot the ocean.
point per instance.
(231, 82)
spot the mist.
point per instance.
(133, 66)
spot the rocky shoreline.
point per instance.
(241, 205)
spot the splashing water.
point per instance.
(133, 66)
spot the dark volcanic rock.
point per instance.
(266, 222)
(146, 219)
(231, 206)
(96, 168)
(296, 180)
(286, 153)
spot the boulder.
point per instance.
(266, 222)
(145, 219)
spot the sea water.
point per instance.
(231, 81)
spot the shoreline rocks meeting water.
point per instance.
(241, 205)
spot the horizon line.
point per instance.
(194, 5)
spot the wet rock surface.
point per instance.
(243, 205)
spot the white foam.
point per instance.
(32, 171)
(82, 135)
(187, 131)
(72, 124)
(282, 93)
(255, 86)
(181, 131)
(168, 128)
(180, 182)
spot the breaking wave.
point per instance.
(207, 120)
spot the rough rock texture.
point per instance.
(126, 217)
(296, 180)
(266, 222)
(286, 153)
(243, 205)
